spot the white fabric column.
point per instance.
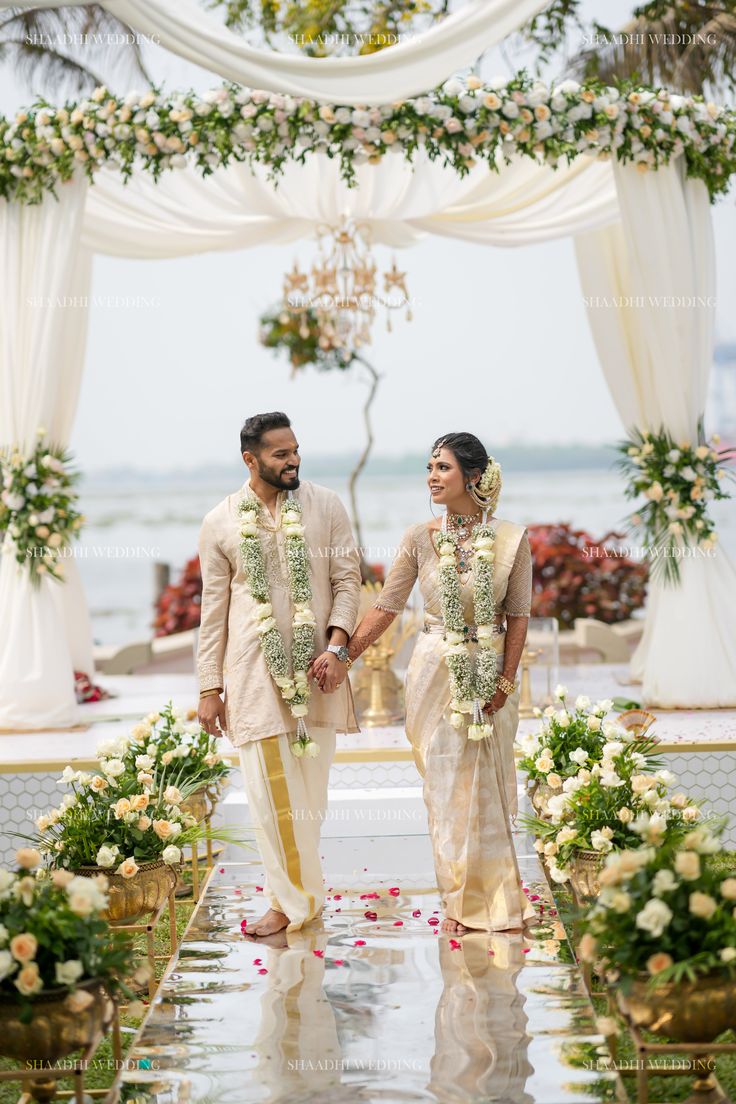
(409, 68)
(650, 290)
(44, 285)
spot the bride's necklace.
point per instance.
(462, 525)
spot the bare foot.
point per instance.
(271, 922)
(455, 926)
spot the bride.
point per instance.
(462, 702)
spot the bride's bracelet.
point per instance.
(505, 685)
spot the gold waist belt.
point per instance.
(498, 642)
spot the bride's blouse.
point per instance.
(417, 558)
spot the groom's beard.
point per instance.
(279, 478)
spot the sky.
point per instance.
(499, 344)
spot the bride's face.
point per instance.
(445, 479)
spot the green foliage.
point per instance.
(323, 27)
(301, 337)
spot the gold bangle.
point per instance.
(505, 685)
(209, 693)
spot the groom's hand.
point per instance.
(211, 710)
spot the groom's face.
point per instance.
(277, 460)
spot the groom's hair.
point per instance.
(252, 432)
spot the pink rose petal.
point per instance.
(433, 920)
(455, 945)
(394, 891)
(417, 912)
(263, 970)
(318, 954)
(359, 943)
(398, 923)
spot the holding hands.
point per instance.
(330, 668)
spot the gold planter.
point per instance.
(196, 804)
(131, 898)
(539, 795)
(686, 1011)
(585, 870)
(55, 1031)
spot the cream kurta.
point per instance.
(469, 786)
(229, 647)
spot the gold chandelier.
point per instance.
(341, 289)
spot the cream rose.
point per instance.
(27, 857)
(687, 865)
(29, 980)
(702, 905)
(162, 828)
(128, 868)
(658, 962)
(23, 947)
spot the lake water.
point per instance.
(134, 521)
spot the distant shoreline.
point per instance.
(511, 457)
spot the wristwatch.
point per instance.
(341, 652)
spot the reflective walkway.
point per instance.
(371, 1004)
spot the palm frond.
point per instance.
(687, 47)
(71, 36)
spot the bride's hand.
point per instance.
(496, 703)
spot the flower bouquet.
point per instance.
(59, 960)
(616, 803)
(678, 482)
(38, 507)
(566, 741)
(664, 932)
(124, 820)
(179, 751)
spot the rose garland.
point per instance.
(469, 688)
(38, 514)
(678, 480)
(460, 124)
(295, 689)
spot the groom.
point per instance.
(287, 795)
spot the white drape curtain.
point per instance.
(43, 321)
(236, 208)
(409, 68)
(649, 283)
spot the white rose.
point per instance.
(599, 842)
(68, 972)
(106, 855)
(582, 702)
(114, 767)
(560, 692)
(171, 854)
(7, 964)
(311, 749)
(299, 710)
(579, 756)
(664, 881)
(654, 917)
(728, 954)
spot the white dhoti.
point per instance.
(287, 798)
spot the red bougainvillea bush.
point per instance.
(577, 576)
(178, 608)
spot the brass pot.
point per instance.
(585, 869)
(131, 898)
(686, 1011)
(539, 795)
(196, 804)
(54, 1030)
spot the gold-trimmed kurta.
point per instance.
(469, 786)
(229, 644)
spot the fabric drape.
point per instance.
(236, 208)
(409, 68)
(649, 283)
(43, 322)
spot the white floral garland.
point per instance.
(470, 688)
(295, 689)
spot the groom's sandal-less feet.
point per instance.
(453, 926)
(270, 923)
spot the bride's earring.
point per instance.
(431, 505)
